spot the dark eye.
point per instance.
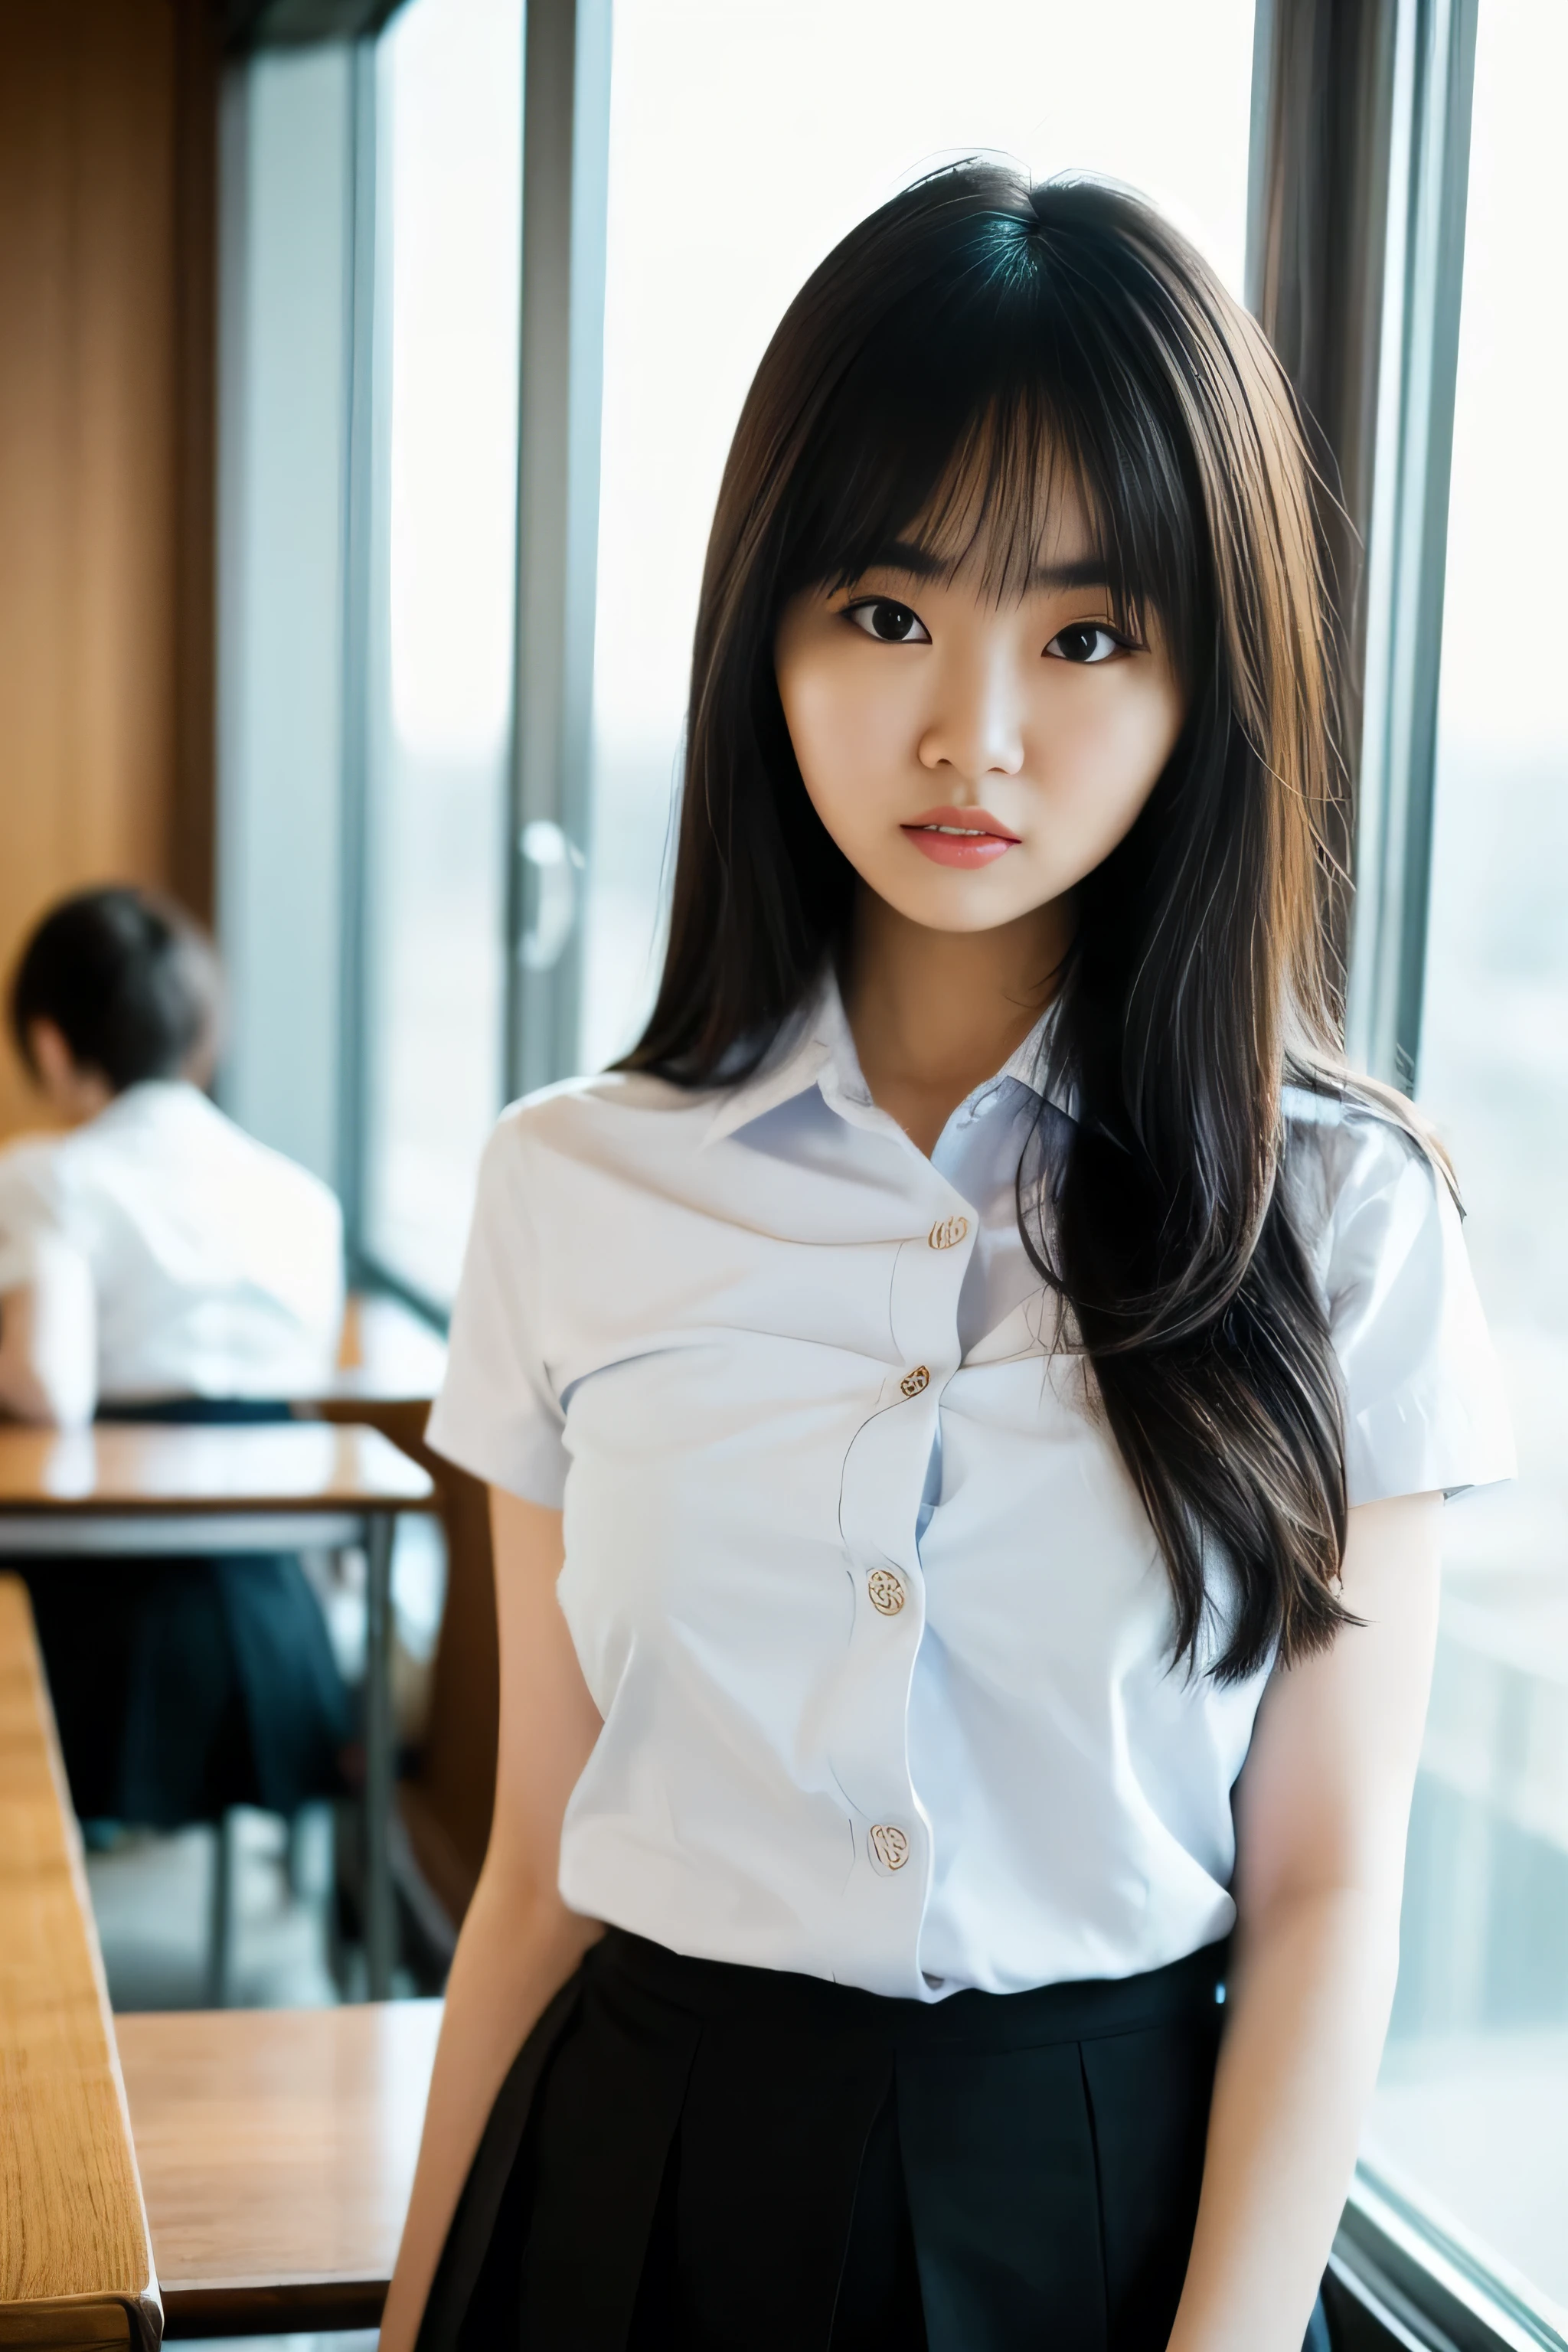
(894, 624)
(1084, 642)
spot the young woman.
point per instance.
(1000, 1375)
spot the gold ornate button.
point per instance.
(886, 1590)
(892, 1847)
(914, 1382)
(947, 1232)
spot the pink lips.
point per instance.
(951, 837)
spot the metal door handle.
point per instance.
(551, 865)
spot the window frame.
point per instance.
(565, 221)
(1397, 2276)
(564, 198)
(1361, 300)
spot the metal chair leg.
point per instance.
(380, 1759)
(294, 1834)
(220, 1913)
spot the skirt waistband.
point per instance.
(775, 2000)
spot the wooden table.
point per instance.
(276, 2148)
(76, 2264)
(159, 1488)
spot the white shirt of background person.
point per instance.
(153, 1250)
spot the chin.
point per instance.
(958, 910)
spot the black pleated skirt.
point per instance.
(692, 2154)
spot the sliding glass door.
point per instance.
(439, 590)
(1470, 2116)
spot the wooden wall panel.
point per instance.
(106, 328)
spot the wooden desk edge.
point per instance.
(24, 1493)
(300, 2306)
(288, 1505)
(83, 2323)
(145, 2309)
(357, 1390)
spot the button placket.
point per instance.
(928, 1277)
(885, 1468)
(883, 1479)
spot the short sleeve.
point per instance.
(1424, 1405)
(497, 1415)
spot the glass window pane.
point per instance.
(744, 141)
(1475, 2087)
(448, 228)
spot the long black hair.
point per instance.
(972, 341)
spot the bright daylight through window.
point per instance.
(1469, 2116)
(442, 563)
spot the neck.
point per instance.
(935, 1013)
(79, 1104)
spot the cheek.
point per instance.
(846, 730)
(1106, 752)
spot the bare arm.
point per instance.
(49, 1343)
(1321, 1812)
(519, 1943)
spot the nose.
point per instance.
(978, 727)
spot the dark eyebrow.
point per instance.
(1087, 571)
(920, 563)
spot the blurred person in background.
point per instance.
(158, 1264)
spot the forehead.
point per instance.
(964, 538)
(1008, 513)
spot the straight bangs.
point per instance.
(953, 439)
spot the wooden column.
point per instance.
(106, 246)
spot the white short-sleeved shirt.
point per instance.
(871, 1611)
(215, 1266)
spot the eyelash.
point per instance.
(1100, 629)
(871, 603)
(891, 603)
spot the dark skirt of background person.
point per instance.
(690, 2156)
(183, 1687)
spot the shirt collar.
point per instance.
(146, 1098)
(816, 1048)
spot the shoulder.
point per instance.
(39, 1206)
(32, 1169)
(26, 1156)
(1426, 1407)
(192, 1122)
(626, 1125)
(1350, 1161)
(1346, 1121)
(1376, 1213)
(578, 1170)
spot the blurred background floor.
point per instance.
(358, 2339)
(152, 1898)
